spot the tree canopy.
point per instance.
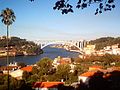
(66, 6)
(45, 64)
(8, 16)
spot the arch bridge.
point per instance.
(78, 44)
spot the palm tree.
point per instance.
(8, 17)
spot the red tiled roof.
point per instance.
(96, 67)
(47, 84)
(27, 68)
(92, 73)
(88, 74)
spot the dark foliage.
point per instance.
(65, 7)
(21, 64)
(14, 84)
(15, 41)
(8, 16)
(97, 82)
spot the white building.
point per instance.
(17, 74)
(85, 76)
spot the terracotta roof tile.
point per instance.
(96, 67)
(27, 68)
(47, 84)
(88, 74)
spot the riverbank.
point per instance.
(22, 53)
(48, 52)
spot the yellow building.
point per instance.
(89, 49)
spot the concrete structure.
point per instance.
(80, 44)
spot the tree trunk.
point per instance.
(7, 55)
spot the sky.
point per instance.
(38, 21)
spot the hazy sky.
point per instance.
(38, 20)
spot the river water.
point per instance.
(48, 52)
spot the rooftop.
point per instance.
(47, 84)
(92, 73)
(27, 68)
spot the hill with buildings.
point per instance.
(105, 41)
(18, 46)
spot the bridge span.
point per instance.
(80, 44)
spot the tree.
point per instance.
(25, 75)
(44, 67)
(8, 17)
(65, 6)
(21, 64)
(79, 69)
(63, 71)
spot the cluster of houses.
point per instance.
(93, 71)
(17, 72)
(12, 52)
(113, 49)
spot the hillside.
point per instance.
(105, 41)
(20, 46)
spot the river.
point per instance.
(48, 52)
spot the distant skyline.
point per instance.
(37, 20)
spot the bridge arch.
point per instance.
(50, 43)
(68, 43)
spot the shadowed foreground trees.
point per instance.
(14, 84)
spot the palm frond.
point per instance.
(8, 16)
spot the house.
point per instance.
(5, 69)
(59, 60)
(47, 85)
(91, 68)
(27, 68)
(85, 77)
(65, 61)
(112, 72)
(3, 53)
(89, 49)
(17, 74)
